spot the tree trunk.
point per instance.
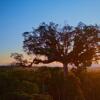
(65, 67)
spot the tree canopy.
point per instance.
(68, 44)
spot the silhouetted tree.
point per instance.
(74, 45)
(19, 60)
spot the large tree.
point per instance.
(68, 45)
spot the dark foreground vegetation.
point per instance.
(48, 84)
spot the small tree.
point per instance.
(74, 45)
(19, 60)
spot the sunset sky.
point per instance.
(18, 16)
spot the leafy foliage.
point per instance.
(19, 60)
(68, 45)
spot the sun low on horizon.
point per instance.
(18, 16)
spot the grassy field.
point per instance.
(48, 84)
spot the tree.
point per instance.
(19, 60)
(74, 45)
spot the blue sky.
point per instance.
(18, 16)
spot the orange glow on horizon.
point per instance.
(6, 59)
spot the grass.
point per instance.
(47, 84)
